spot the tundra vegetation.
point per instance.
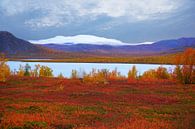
(33, 98)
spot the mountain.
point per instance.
(15, 47)
(171, 45)
(12, 45)
(160, 47)
(92, 47)
(81, 39)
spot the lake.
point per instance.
(66, 68)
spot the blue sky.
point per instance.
(126, 20)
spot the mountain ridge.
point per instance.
(14, 46)
(164, 46)
(83, 39)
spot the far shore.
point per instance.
(96, 60)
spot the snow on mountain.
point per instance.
(82, 39)
(135, 44)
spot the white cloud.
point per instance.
(45, 22)
(60, 12)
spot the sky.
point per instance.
(130, 21)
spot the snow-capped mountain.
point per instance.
(83, 39)
(57, 47)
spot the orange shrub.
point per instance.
(132, 74)
(159, 73)
(4, 69)
(150, 74)
(115, 75)
(186, 74)
(162, 73)
(21, 71)
(45, 71)
(97, 76)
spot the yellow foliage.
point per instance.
(132, 74)
(162, 73)
(186, 74)
(4, 69)
(21, 71)
(45, 71)
(159, 73)
(150, 74)
(97, 76)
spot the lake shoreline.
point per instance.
(75, 61)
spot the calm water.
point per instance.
(66, 68)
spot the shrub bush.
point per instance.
(162, 73)
(4, 69)
(159, 73)
(97, 76)
(150, 74)
(132, 74)
(74, 74)
(27, 70)
(45, 71)
(21, 71)
(186, 72)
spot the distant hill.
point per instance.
(12, 45)
(160, 47)
(19, 48)
(79, 39)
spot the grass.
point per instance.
(27, 102)
(30, 109)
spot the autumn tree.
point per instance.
(4, 68)
(178, 73)
(150, 74)
(115, 75)
(162, 73)
(36, 70)
(27, 70)
(159, 73)
(21, 71)
(97, 76)
(45, 71)
(101, 76)
(60, 75)
(104, 73)
(132, 74)
(74, 74)
(187, 62)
